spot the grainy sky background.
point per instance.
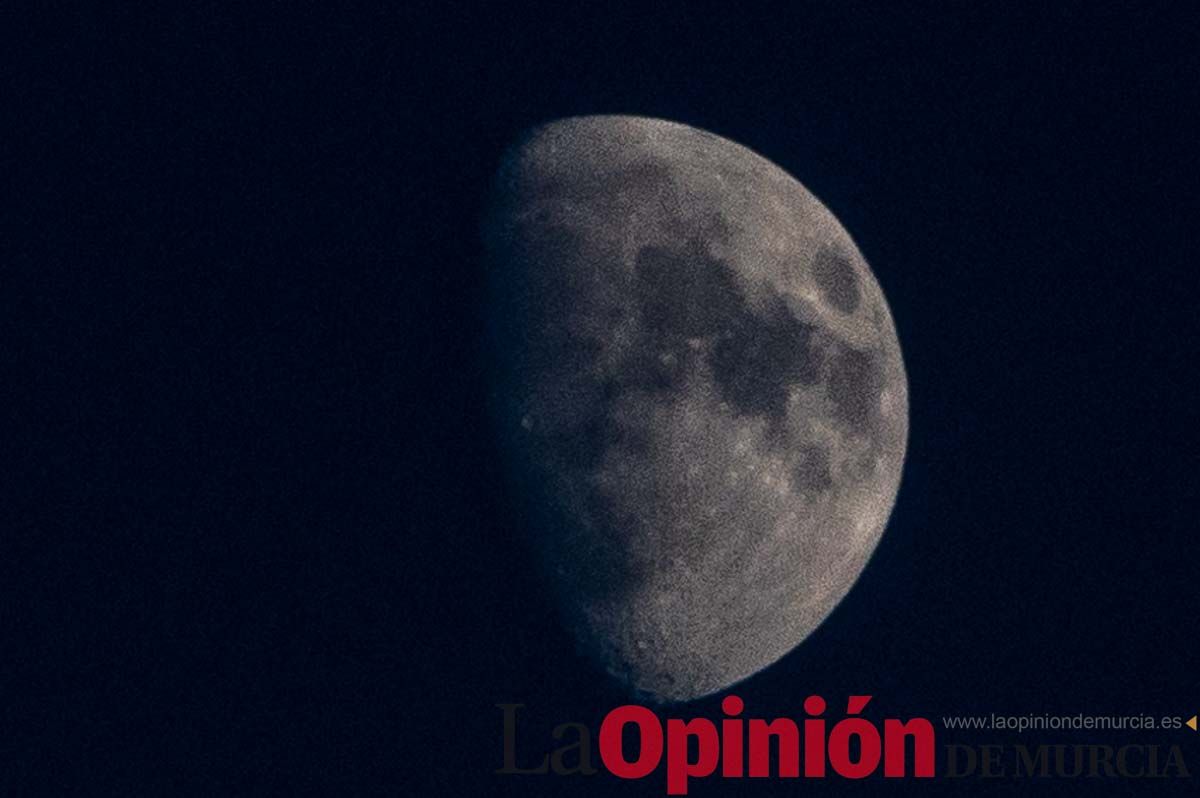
(257, 538)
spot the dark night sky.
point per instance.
(258, 535)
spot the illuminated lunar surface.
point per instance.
(700, 392)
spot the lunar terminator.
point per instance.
(700, 391)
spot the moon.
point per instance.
(699, 391)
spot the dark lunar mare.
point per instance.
(682, 295)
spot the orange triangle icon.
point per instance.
(1191, 723)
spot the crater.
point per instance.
(856, 380)
(836, 278)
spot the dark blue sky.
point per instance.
(260, 534)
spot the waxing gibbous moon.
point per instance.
(699, 389)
